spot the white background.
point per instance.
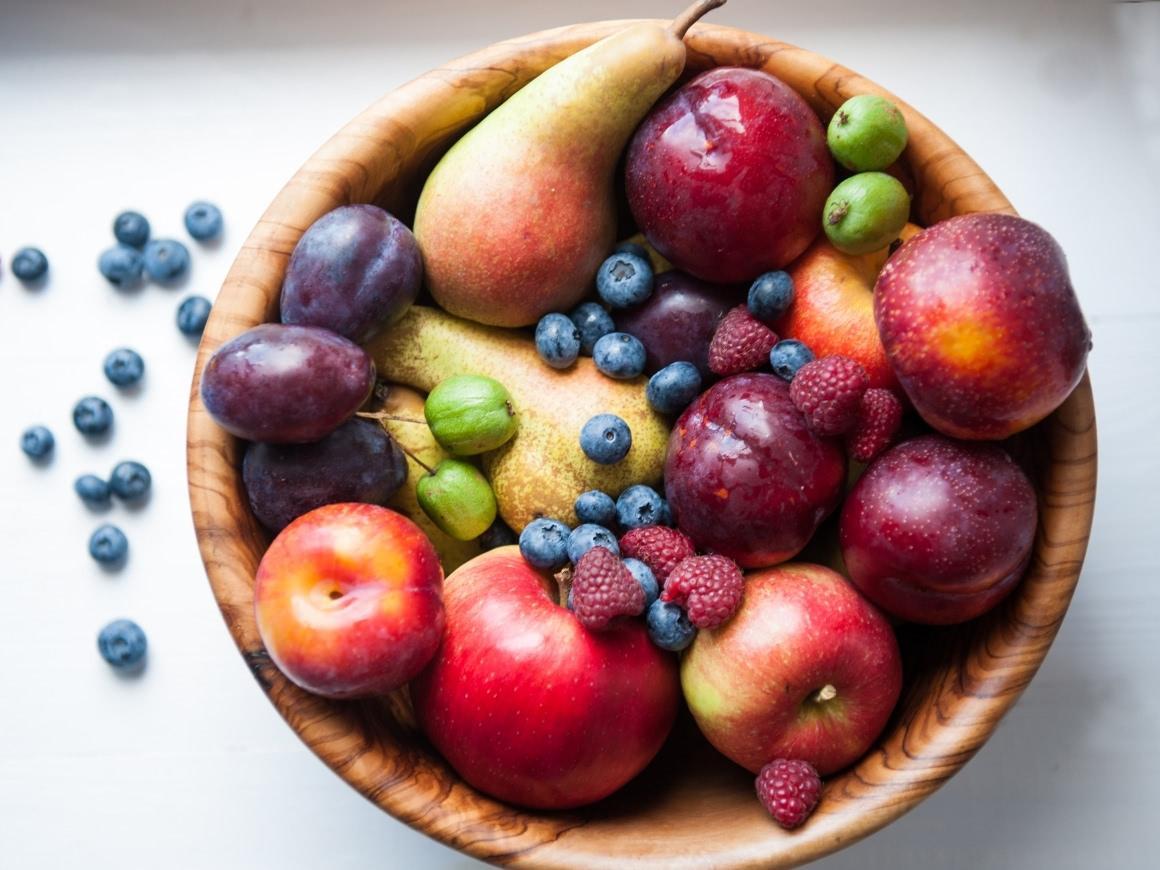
(151, 104)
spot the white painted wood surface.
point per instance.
(121, 103)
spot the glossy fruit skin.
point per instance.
(355, 270)
(670, 390)
(726, 176)
(624, 280)
(166, 260)
(131, 228)
(203, 221)
(470, 414)
(286, 384)
(558, 340)
(124, 367)
(108, 545)
(192, 315)
(29, 264)
(678, 321)
(593, 322)
(745, 478)
(122, 644)
(866, 212)
(605, 439)
(755, 684)
(939, 531)
(122, 266)
(37, 442)
(981, 325)
(619, 355)
(529, 706)
(357, 462)
(130, 480)
(92, 416)
(348, 600)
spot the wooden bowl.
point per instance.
(691, 808)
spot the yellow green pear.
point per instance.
(516, 218)
(542, 469)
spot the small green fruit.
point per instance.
(458, 499)
(866, 133)
(866, 212)
(470, 414)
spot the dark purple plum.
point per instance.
(745, 478)
(286, 384)
(354, 271)
(356, 462)
(679, 319)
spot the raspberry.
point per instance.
(603, 589)
(708, 587)
(879, 419)
(789, 790)
(741, 343)
(661, 548)
(828, 392)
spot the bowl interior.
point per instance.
(691, 807)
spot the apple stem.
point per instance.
(688, 18)
(825, 693)
(416, 459)
(563, 579)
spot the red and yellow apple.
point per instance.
(531, 707)
(833, 307)
(348, 600)
(806, 669)
(981, 325)
(939, 531)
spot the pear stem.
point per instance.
(689, 17)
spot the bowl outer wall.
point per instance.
(691, 809)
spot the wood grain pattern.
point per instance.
(691, 808)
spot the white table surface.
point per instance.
(150, 104)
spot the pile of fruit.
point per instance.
(623, 445)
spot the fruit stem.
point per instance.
(416, 459)
(825, 693)
(563, 579)
(380, 416)
(688, 18)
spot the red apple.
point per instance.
(806, 669)
(531, 707)
(981, 325)
(939, 531)
(348, 600)
(727, 176)
(833, 307)
(745, 478)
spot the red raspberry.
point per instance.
(741, 343)
(659, 547)
(879, 420)
(708, 587)
(603, 589)
(828, 391)
(789, 790)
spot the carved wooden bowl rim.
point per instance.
(686, 811)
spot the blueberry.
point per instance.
(787, 356)
(121, 266)
(638, 506)
(92, 416)
(497, 535)
(669, 626)
(37, 442)
(131, 228)
(632, 248)
(192, 315)
(624, 280)
(666, 515)
(122, 644)
(619, 355)
(130, 480)
(557, 340)
(544, 543)
(124, 367)
(595, 506)
(29, 264)
(671, 389)
(92, 490)
(203, 221)
(166, 260)
(605, 439)
(108, 545)
(771, 295)
(594, 323)
(643, 575)
(585, 537)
